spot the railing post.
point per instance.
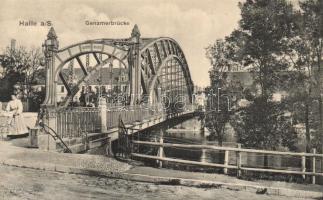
(313, 166)
(103, 114)
(238, 161)
(226, 161)
(303, 166)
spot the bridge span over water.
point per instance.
(158, 89)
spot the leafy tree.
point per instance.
(218, 113)
(274, 129)
(312, 36)
(301, 81)
(220, 102)
(261, 38)
(21, 67)
(257, 46)
(264, 25)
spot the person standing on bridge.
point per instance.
(82, 98)
(17, 126)
(89, 95)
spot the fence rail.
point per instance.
(238, 165)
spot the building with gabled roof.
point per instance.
(111, 80)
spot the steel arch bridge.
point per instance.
(156, 68)
(157, 87)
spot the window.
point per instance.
(62, 89)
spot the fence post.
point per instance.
(303, 166)
(313, 166)
(161, 149)
(226, 161)
(239, 161)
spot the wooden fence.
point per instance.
(238, 153)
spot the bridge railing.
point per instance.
(72, 122)
(130, 114)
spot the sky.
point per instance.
(194, 24)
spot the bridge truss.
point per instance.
(155, 69)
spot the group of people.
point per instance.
(89, 98)
(15, 123)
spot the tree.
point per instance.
(312, 13)
(219, 104)
(260, 38)
(20, 67)
(301, 82)
(264, 26)
(274, 129)
(218, 113)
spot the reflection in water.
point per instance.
(181, 136)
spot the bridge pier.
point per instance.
(45, 141)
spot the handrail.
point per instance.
(55, 136)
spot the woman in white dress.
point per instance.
(17, 126)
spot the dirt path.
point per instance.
(29, 184)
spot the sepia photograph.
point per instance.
(161, 99)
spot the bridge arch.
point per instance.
(145, 61)
(159, 53)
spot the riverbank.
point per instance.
(96, 165)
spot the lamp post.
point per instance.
(49, 47)
(111, 81)
(100, 85)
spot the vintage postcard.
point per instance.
(161, 99)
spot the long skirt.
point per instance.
(17, 126)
